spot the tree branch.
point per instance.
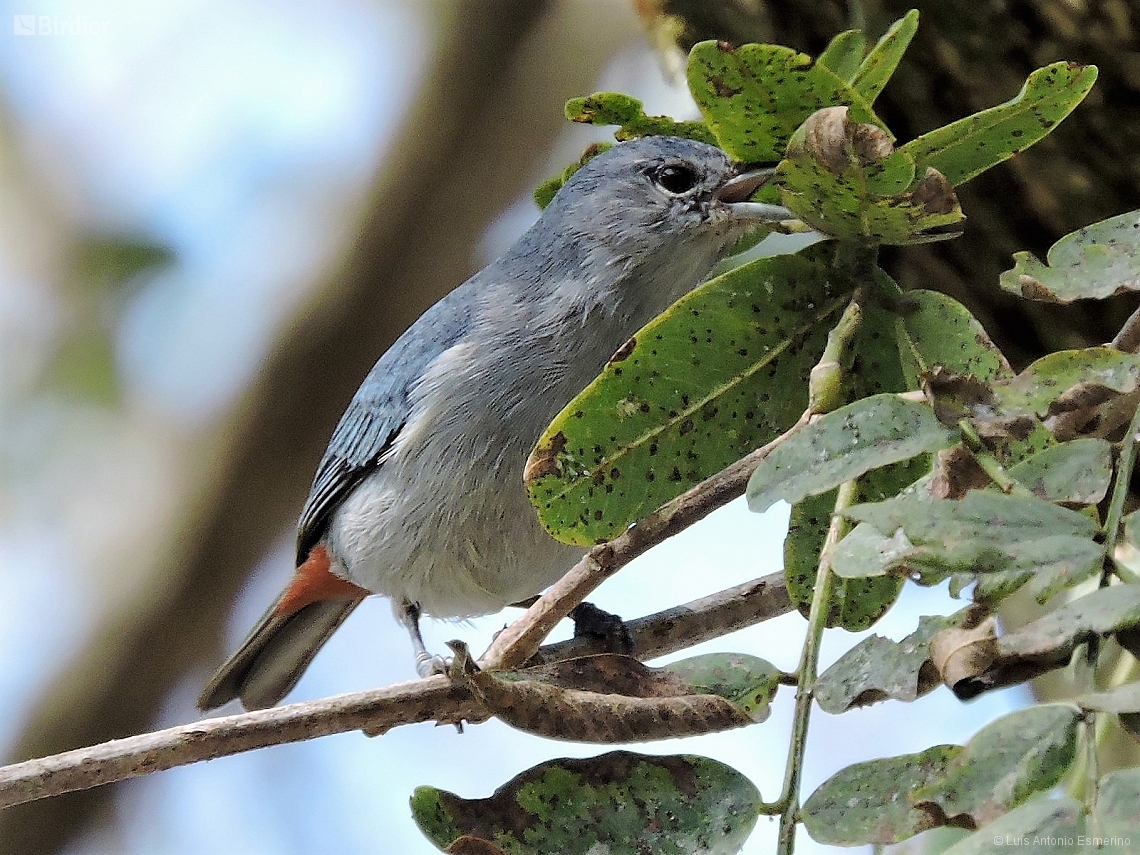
(374, 711)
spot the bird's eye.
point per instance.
(675, 178)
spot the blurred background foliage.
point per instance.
(213, 218)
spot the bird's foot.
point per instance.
(592, 622)
(431, 664)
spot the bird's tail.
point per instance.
(284, 641)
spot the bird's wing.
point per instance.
(376, 414)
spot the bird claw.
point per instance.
(429, 665)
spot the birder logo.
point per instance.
(49, 25)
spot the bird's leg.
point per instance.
(426, 663)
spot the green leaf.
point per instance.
(84, 365)
(1022, 753)
(843, 445)
(844, 54)
(621, 803)
(872, 802)
(1104, 611)
(984, 532)
(979, 516)
(878, 668)
(880, 64)
(1038, 389)
(104, 262)
(867, 553)
(615, 108)
(721, 372)
(1116, 815)
(1076, 472)
(1098, 261)
(1052, 827)
(938, 330)
(970, 146)
(842, 178)
(1119, 699)
(753, 97)
(856, 604)
(749, 682)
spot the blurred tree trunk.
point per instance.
(487, 115)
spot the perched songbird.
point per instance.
(420, 495)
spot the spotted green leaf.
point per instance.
(984, 532)
(747, 681)
(753, 97)
(1104, 611)
(844, 54)
(1050, 827)
(1117, 810)
(620, 803)
(970, 146)
(881, 62)
(878, 668)
(1006, 762)
(843, 445)
(722, 372)
(628, 113)
(938, 330)
(1036, 390)
(1076, 472)
(848, 188)
(871, 802)
(1095, 262)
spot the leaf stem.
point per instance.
(809, 663)
(989, 463)
(1124, 465)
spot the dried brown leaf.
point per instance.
(536, 705)
(964, 654)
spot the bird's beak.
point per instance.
(738, 189)
(735, 192)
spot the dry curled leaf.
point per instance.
(542, 703)
(962, 655)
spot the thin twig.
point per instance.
(519, 642)
(374, 711)
(809, 662)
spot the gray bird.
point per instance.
(420, 495)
